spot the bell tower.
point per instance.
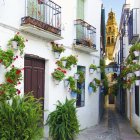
(111, 34)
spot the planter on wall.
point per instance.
(66, 83)
(56, 82)
(90, 90)
(135, 61)
(14, 45)
(64, 62)
(137, 82)
(98, 70)
(136, 53)
(137, 73)
(91, 71)
(73, 94)
(76, 76)
(57, 55)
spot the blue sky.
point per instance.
(116, 6)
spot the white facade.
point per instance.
(130, 94)
(11, 13)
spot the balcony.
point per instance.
(85, 36)
(43, 19)
(133, 33)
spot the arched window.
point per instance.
(112, 40)
(109, 29)
(108, 40)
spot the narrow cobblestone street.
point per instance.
(112, 127)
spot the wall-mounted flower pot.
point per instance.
(98, 70)
(91, 71)
(64, 62)
(137, 73)
(56, 82)
(57, 55)
(14, 45)
(129, 74)
(135, 61)
(73, 94)
(90, 90)
(137, 82)
(76, 76)
(66, 83)
(136, 53)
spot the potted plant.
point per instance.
(136, 69)
(17, 42)
(91, 87)
(58, 75)
(57, 49)
(76, 76)
(6, 57)
(135, 49)
(81, 78)
(74, 92)
(97, 82)
(92, 68)
(137, 82)
(71, 60)
(70, 81)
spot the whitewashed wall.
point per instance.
(11, 13)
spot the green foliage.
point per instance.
(20, 42)
(71, 60)
(13, 76)
(135, 47)
(92, 66)
(63, 122)
(97, 81)
(21, 119)
(81, 77)
(57, 48)
(59, 74)
(7, 91)
(59, 62)
(93, 86)
(6, 57)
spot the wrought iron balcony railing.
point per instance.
(85, 34)
(43, 14)
(133, 33)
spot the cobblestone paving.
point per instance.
(112, 127)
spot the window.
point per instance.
(112, 40)
(81, 97)
(109, 29)
(137, 100)
(108, 40)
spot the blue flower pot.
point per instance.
(73, 94)
(90, 90)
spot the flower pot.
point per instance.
(98, 70)
(57, 55)
(137, 82)
(66, 83)
(137, 73)
(73, 94)
(90, 90)
(135, 61)
(76, 76)
(56, 82)
(64, 62)
(136, 53)
(91, 71)
(14, 45)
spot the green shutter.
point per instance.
(80, 15)
(80, 9)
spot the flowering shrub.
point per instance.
(13, 76)
(59, 74)
(6, 57)
(20, 42)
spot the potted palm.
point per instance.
(92, 68)
(58, 75)
(57, 49)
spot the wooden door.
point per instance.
(34, 76)
(111, 99)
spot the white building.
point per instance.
(128, 101)
(30, 18)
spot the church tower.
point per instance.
(111, 34)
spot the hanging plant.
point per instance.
(92, 87)
(92, 68)
(6, 57)
(81, 77)
(62, 62)
(17, 41)
(59, 74)
(13, 76)
(97, 81)
(71, 60)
